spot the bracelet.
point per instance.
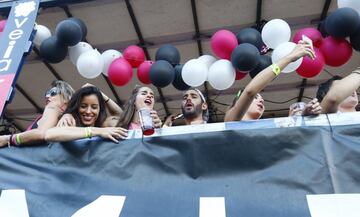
(276, 69)
(108, 99)
(18, 140)
(9, 141)
(88, 133)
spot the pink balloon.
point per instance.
(312, 33)
(240, 75)
(2, 25)
(134, 55)
(144, 71)
(223, 42)
(310, 68)
(336, 51)
(120, 72)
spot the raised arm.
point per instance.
(63, 134)
(339, 91)
(261, 80)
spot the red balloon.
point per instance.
(312, 33)
(336, 51)
(240, 75)
(223, 42)
(144, 71)
(2, 25)
(120, 72)
(310, 68)
(134, 55)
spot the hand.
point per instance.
(169, 120)
(113, 133)
(302, 49)
(4, 140)
(156, 120)
(312, 108)
(67, 120)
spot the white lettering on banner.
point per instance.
(13, 204)
(212, 207)
(19, 25)
(6, 65)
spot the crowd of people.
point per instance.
(88, 112)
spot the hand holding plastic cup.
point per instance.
(146, 121)
(297, 108)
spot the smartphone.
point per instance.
(307, 40)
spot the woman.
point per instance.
(141, 97)
(249, 105)
(87, 107)
(56, 100)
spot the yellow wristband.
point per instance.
(276, 69)
(18, 140)
(88, 133)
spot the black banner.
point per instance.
(258, 172)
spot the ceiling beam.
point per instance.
(142, 43)
(258, 13)
(111, 86)
(197, 38)
(32, 102)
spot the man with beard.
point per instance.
(194, 109)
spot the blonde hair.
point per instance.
(66, 90)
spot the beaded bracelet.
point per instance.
(276, 69)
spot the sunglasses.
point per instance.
(52, 92)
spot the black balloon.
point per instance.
(69, 32)
(162, 73)
(82, 26)
(245, 57)
(168, 53)
(252, 36)
(342, 22)
(355, 39)
(178, 82)
(52, 50)
(264, 62)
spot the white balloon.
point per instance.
(275, 32)
(42, 33)
(90, 64)
(109, 56)
(221, 74)
(194, 72)
(283, 50)
(77, 50)
(207, 59)
(354, 4)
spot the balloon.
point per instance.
(336, 51)
(264, 62)
(240, 75)
(134, 55)
(82, 26)
(221, 74)
(108, 57)
(223, 42)
(355, 39)
(168, 53)
(52, 50)
(322, 29)
(120, 72)
(178, 82)
(342, 22)
(2, 25)
(77, 50)
(310, 68)
(275, 32)
(252, 36)
(162, 73)
(283, 50)
(68, 32)
(207, 59)
(90, 64)
(143, 72)
(354, 4)
(312, 33)
(194, 72)
(245, 57)
(42, 33)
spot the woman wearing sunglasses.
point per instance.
(56, 100)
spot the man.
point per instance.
(339, 94)
(194, 108)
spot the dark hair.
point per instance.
(325, 87)
(75, 101)
(129, 109)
